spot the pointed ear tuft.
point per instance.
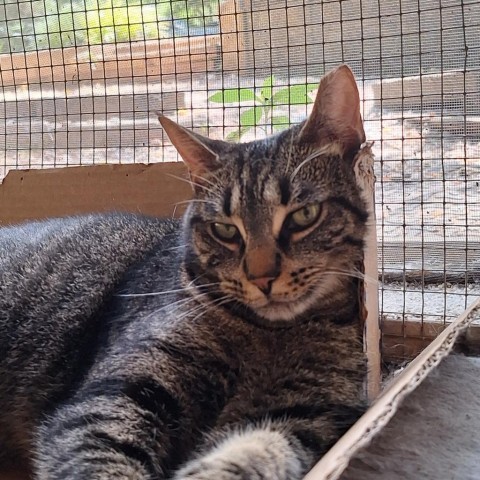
(336, 112)
(197, 151)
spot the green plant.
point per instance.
(114, 22)
(43, 24)
(266, 103)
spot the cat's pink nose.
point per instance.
(263, 283)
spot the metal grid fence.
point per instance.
(80, 80)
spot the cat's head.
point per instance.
(276, 225)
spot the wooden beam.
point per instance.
(402, 341)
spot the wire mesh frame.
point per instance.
(417, 63)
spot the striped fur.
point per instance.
(135, 348)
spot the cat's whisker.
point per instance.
(202, 308)
(179, 304)
(165, 292)
(221, 301)
(206, 306)
(370, 279)
(192, 282)
(226, 300)
(183, 302)
(213, 180)
(194, 184)
(198, 277)
(218, 302)
(178, 247)
(316, 153)
(196, 200)
(353, 274)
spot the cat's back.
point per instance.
(40, 255)
(58, 238)
(55, 278)
(56, 272)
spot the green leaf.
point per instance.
(266, 91)
(282, 97)
(233, 95)
(312, 86)
(236, 135)
(294, 95)
(251, 117)
(280, 120)
(233, 136)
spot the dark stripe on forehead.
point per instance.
(285, 192)
(343, 202)
(263, 184)
(240, 166)
(250, 179)
(227, 202)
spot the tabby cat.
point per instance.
(223, 347)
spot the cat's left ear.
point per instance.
(200, 154)
(336, 115)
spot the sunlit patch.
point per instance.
(238, 222)
(279, 216)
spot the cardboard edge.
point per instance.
(336, 460)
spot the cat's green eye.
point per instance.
(305, 216)
(225, 232)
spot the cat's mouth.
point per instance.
(281, 307)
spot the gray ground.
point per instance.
(434, 435)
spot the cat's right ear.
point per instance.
(197, 152)
(335, 114)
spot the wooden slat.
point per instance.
(430, 262)
(122, 60)
(403, 341)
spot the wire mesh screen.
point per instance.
(81, 80)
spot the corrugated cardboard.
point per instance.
(154, 189)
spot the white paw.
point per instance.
(208, 470)
(257, 454)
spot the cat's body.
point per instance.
(229, 344)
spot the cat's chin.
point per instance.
(290, 310)
(282, 311)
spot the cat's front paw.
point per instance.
(211, 470)
(257, 454)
